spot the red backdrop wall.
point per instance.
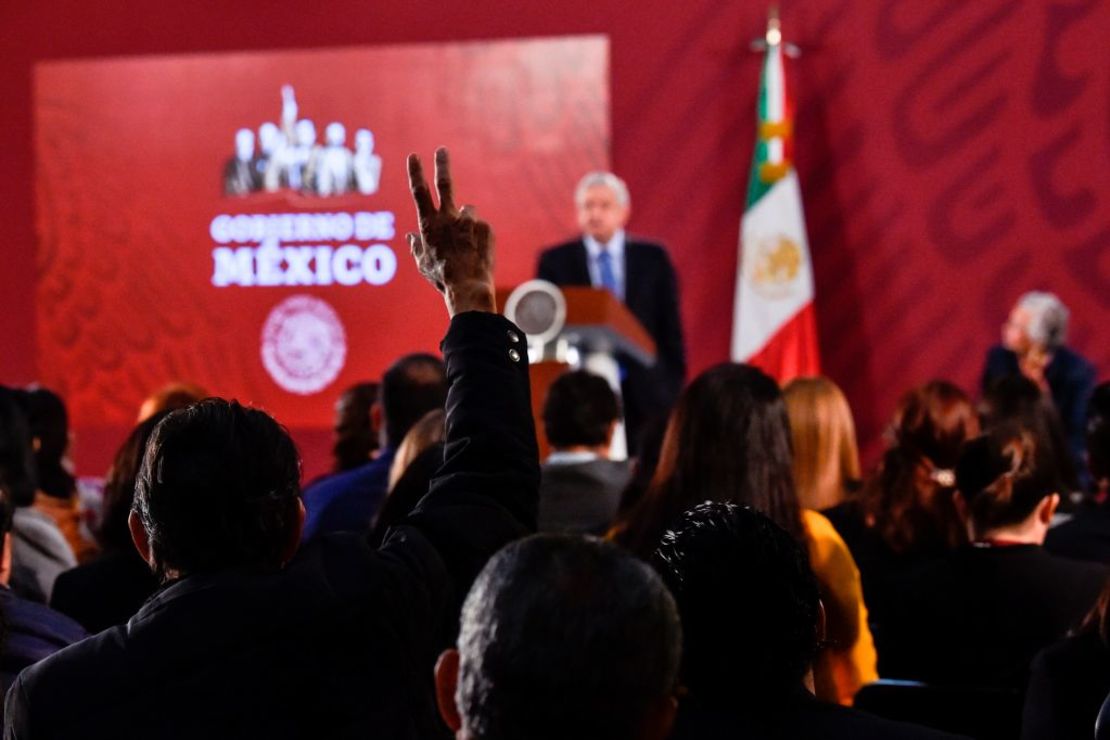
(951, 154)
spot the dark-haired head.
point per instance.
(1001, 485)
(411, 387)
(1017, 400)
(748, 601)
(1098, 440)
(728, 439)
(563, 637)
(49, 422)
(119, 486)
(355, 436)
(580, 411)
(219, 488)
(909, 498)
(17, 461)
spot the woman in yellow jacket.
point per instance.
(729, 440)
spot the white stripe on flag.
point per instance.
(775, 277)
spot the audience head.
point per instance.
(355, 433)
(1018, 401)
(1098, 438)
(1001, 486)
(603, 205)
(49, 423)
(427, 432)
(580, 410)
(563, 637)
(748, 601)
(826, 458)
(218, 488)
(17, 461)
(171, 397)
(728, 439)
(910, 497)
(119, 487)
(411, 387)
(1037, 322)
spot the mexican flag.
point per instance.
(773, 325)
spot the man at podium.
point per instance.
(641, 275)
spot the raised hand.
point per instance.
(454, 249)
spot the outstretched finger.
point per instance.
(415, 246)
(443, 181)
(425, 208)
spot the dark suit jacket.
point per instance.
(581, 498)
(1068, 684)
(106, 592)
(1086, 536)
(342, 641)
(651, 294)
(799, 718)
(978, 617)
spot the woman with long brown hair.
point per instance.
(729, 440)
(905, 515)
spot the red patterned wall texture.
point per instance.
(951, 154)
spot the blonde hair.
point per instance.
(428, 431)
(826, 457)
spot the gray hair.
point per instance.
(564, 637)
(1048, 318)
(606, 180)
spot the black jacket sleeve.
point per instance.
(486, 492)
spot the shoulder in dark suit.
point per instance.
(802, 718)
(105, 592)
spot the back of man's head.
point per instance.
(749, 604)
(411, 387)
(218, 488)
(566, 637)
(579, 410)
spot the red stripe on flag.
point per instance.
(792, 351)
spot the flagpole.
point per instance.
(773, 35)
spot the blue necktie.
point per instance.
(605, 270)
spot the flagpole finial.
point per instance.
(774, 26)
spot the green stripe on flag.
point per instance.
(756, 187)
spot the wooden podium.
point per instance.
(597, 327)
